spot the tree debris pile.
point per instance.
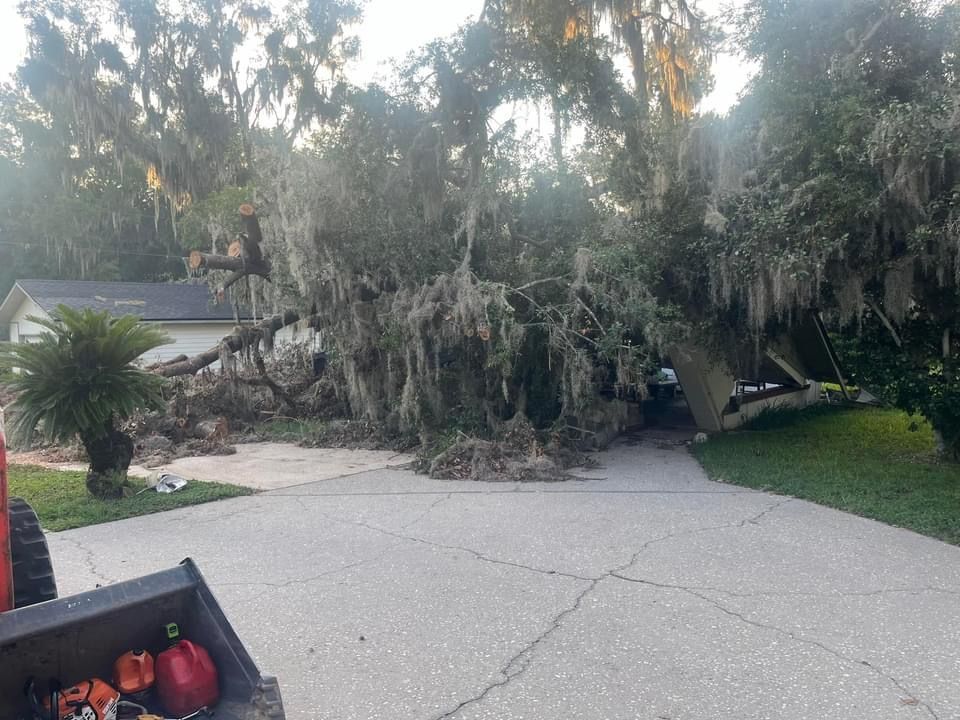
(515, 454)
(345, 433)
(155, 450)
(208, 411)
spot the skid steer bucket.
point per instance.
(79, 637)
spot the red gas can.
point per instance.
(186, 679)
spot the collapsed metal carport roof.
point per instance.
(796, 361)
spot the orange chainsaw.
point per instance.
(91, 699)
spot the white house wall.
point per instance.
(290, 334)
(194, 338)
(189, 339)
(23, 330)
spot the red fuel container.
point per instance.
(186, 679)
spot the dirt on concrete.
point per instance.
(261, 466)
(273, 465)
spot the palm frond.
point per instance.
(78, 376)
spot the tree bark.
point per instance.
(215, 262)
(110, 455)
(633, 37)
(252, 235)
(556, 141)
(234, 342)
(171, 361)
(244, 256)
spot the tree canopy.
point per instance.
(835, 184)
(462, 268)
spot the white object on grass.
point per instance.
(167, 483)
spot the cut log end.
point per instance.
(247, 210)
(235, 249)
(196, 259)
(218, 429)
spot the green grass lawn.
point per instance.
(876, 463)
(62, 502)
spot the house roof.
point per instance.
(151, 301)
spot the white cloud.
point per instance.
(13, 38)
(391, 29)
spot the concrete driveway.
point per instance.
(644, 592)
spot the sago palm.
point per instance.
(78, 379)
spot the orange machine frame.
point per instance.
(6, 562)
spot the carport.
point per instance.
(789, 374)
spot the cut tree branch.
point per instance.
(245, 256)
(216, 262)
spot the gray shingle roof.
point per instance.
(151, 301)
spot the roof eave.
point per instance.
(229, 321)
(9, 307)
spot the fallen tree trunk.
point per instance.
(171, 361)
(233, 342)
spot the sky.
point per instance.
(391, 30)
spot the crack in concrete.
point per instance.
(518, 490)
(225, 516)
(525, 655)
(787, 633)
(426, 512)
(457, 548)
(348, 474)
(698, 592)
(755, 519)
(520, 662)
(307, 580)
(752, 520)
(826, 648)
(828, 595)
(88, 560)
